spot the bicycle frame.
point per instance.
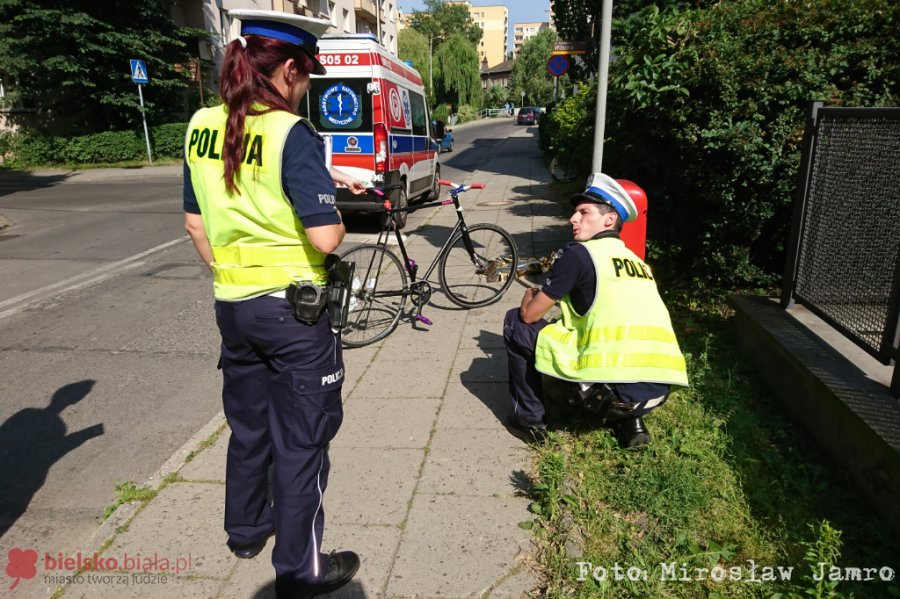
(411, 266)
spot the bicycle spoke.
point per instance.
(378, 292)
(482, 278)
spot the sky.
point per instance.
(520, 11)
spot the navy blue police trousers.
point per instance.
(525, 385)
(282, 399)
(525, 382)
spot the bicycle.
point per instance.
(476, 265)
(558, 172)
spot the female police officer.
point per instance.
(259, 207)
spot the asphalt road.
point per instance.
(108, 343)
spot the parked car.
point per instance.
(528, 115)
(442, 135)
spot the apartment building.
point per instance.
(378, 17)
(494, 22)
(523, 31)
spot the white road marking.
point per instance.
(79, 281)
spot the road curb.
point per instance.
(122, 516)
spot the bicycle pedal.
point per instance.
(424, 320)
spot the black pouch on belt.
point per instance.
(307, 300)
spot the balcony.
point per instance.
(365, 9)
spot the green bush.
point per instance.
(168, 140)
(25, 150)
(441, 112)
(467, 113)
(109, 146)
(706, 113)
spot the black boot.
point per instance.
(630, 432)
(341, 568)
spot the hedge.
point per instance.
(28, 150)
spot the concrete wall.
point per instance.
(836, 391)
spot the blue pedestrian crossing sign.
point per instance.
(139, 71)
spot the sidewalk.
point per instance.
(426, 485)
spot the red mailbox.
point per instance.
(634, 234)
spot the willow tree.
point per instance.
(412, 46)
(457, 71)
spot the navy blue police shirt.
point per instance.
(304, 177)
(573, 274)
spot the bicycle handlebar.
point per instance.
(382, 192)
(460, 188)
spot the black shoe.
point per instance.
(528, 434)
(631, 432)
(341, 568)
(248, 551)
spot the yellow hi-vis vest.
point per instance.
(258, 243)
(626, 335)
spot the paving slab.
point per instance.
(464, 462)
(388, 423)
(137, 586)
(474, 406)
(373, 488)
(169, 527)
(458, 546)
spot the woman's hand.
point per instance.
(352, 183)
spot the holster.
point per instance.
(340, 274)
(307, 300)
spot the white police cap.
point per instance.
(288, 27)
(604, 189)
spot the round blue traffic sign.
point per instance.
(558, 65)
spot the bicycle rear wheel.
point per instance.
(479, 279)
(377, 295)
(559, 173)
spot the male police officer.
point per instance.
(614, 341)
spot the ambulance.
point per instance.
(373, 108)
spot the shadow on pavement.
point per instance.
(352, 590)
(15, 181)
(31, 442)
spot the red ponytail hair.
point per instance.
(245, 81)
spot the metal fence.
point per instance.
(844, 252)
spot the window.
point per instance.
(347, 20)
(332, 14)
(419, 122)
(338, 105)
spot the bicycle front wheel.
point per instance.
(479, 273)
(377, 294)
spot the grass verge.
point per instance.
(729, 496)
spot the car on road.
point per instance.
(528, 115)
(442, 136)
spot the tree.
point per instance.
(706, 114)
(412, 46)
(443, 19)
(495, 96)
(579, 20)
(457, 74)
(529, 72)
(68, 59)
